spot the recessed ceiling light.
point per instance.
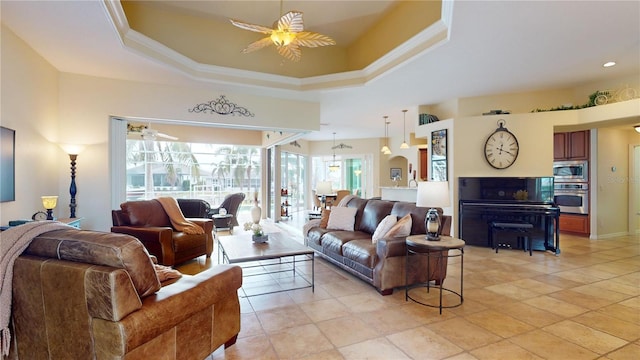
(609, 64)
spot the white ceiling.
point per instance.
(494, 47)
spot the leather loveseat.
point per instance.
(81, 294)
(381, 264)
(147, 221)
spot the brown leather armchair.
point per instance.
(231, 203)
(194, 208)
(147, 221)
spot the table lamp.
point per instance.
(323, 188)
(49, 203)
(433, 194)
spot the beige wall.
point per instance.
(30, 107)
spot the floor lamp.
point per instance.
(73, 151)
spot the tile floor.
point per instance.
(583, 304)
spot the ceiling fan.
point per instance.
(287, 35)
(147, 133)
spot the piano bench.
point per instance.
(521, 229)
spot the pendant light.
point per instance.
(385, 148)
(334, 166)
(388, 150)
(404, 131)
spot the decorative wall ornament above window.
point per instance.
(342, 146)
(222, 106)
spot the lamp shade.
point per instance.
(433, 194)
(72, 149)
(49, 202)
(323, 188)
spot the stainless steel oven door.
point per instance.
(572, 201)
(571, 171)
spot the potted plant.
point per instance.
(258, 233)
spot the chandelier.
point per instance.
(334, 165)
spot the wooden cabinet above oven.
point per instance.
(571, 145)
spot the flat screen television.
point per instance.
(7, 164)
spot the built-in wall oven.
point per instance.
(572, 198)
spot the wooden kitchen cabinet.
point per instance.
(571, 145)
(576, 224)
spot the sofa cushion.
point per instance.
(342, 218)
(100, 248)
(332, 241)
(358, 203)
(373, 213)
(385, 225)
(402, 228)
(360, 251)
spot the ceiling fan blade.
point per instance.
(291, 21)
(251, 27)
(311, 39)
(257, 45)
(165, 136)
(291, 52)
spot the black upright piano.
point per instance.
(483, 200)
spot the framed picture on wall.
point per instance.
(396, 173)
(439, 155)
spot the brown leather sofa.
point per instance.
(147, 221)
(382, 264)
(81, 294)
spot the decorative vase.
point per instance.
(260, 238)
(256, 213)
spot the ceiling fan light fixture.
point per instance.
(288, 35)
(637, 128)
(282, 38)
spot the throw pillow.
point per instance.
(385, 225)
(402, 228)
(342, 218)
(324, 221)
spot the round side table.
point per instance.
(447, 247)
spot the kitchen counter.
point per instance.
(399, 193)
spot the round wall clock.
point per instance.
(501, 148)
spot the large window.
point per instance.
(191, 170)
(350, 174)
(293, 175)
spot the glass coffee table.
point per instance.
(279, 254)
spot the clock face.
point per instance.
(39, 216)
(501, 149)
